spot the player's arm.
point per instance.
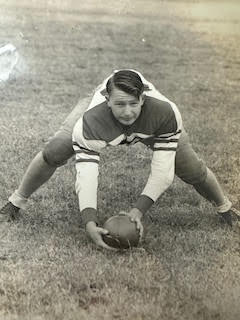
(87, 161)
(87, 170)
(160, 178)
(162, 164)
(162, 171)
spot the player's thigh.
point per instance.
(75, 114)
(59, 149)
(188, 166)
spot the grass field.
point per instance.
(187, 266)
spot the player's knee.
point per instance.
(57, 151)
(194, 174)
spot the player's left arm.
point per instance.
(160, 178)
(162, 164)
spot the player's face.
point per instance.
(126, 108)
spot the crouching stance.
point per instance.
(125, 109)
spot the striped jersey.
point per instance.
(158, 126)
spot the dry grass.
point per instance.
(188, 264)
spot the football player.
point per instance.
(125, 109)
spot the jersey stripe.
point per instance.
(164, 149)
(74, 143)
(167, 145)
(93, 153)
(161, 140)
(167, 135)
(87, 160)
(86, 156)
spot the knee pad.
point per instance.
(58, 150)
(195, 173)
(189, 167)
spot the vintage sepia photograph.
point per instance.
(119, 160)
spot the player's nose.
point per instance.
(127, 110)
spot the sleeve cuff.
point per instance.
(89, 214)
(144, 203)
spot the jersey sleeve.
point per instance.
(162, 164)
(87, 170)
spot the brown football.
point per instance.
(123, 233)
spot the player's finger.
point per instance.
(102, 244)
(123, 212)
(99, 241)
(138, 223)
(139, 226)
(102, 231)
(141, 232)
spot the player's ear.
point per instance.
(143, 96)
(107, 99)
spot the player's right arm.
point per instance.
(87, 170)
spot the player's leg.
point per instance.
(192, 170)
(55, 153)
(37, 173)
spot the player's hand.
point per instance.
(95, 233)
(135, 216)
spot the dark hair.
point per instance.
(127, 81)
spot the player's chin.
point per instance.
(127, 122)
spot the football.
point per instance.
(123, 233)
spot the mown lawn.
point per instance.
(187, 266)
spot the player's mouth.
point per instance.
(129, 119)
